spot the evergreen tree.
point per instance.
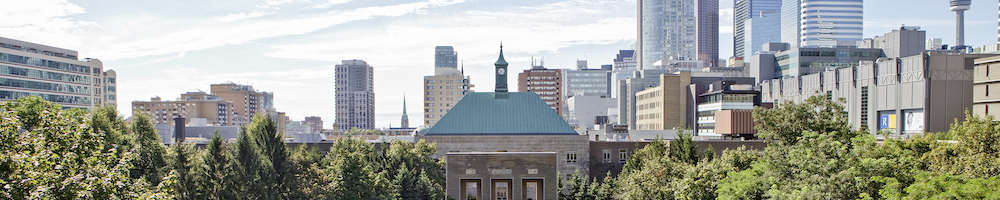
(249, 168)
(683, 148)
(182, 168)
(215, 175)
(150, 164)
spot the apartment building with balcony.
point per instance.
(547, 83)
(55, 74)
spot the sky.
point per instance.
(290, 47)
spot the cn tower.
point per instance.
(960, 6)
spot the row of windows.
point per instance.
(739, 98)
(831, 22)
(11, 95)
(44, 63)
(622, 155)
(44, 86)
(34, 73)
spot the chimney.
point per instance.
(179, 130)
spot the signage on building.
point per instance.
(500, 171)
(887, 121)
(913, 121)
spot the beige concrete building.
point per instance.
(445, 88)
(55, 74)
(986, 82)
(191, 105)
(547, 83)
(904, 96)
(442, 91)
(663, 106)
(246, 101)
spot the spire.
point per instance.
(501, 61)
(405, 122)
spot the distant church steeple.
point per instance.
(406, 120)
(501, 79)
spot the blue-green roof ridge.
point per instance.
(523, 113)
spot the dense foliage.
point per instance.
(813, 153)
(52, 153)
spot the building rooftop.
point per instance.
(479, 113)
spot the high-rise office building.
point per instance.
(764, 28)
(547, 83)
(667, 30)
(708, 31)
(448, 85)
(587, 82)
(445, 57)
(55, 74)
(744, 10)
(247, 101)
(355, 95)
(790, 26)
(822, 23)
(678, 30)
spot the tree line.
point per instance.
(55, 153)
(813, 153)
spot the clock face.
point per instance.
(500, 71)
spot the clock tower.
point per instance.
(501, 73)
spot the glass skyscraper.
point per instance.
(666, 30)
(708, 31)
(822, 23)
(790, 22)
(749, 9)
(446, 57)
(763, 28)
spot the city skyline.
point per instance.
(290, 47)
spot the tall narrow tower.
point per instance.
(960, 6)
(501, 83)
(405, 122)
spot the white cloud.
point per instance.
(329, 3)
(240, 16)
(400, 52)
(213, 36)
(269, 3)
(45, 21)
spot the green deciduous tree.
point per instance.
(51, 153)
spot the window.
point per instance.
(531, 190)
(571, 157)
(622, 155)
(111, 80)
(501, 190)
(987, 90)
(607, 156)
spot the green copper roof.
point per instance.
(501, 61)
(479, 113)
